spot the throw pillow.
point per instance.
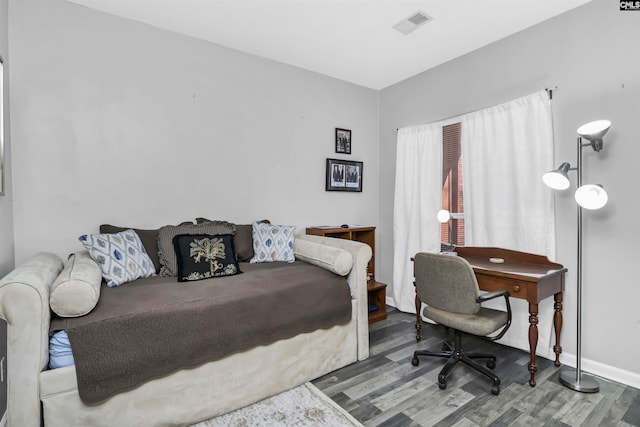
(272, 243)
(76, 290)
(149, 239)
(202, 256)
(243, 242)
(121, 256)
(336, 260)
(242, 239)
(166, 251)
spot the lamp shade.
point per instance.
(444, 215)
(594, 131)
(558, 178)
(591, 196)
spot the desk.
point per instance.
(526, 276)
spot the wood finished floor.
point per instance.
(386, 390)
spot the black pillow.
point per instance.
(203, 256)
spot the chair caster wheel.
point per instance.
(491, 364)
(495, 390)
(415, 361)
(442, 385)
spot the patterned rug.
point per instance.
(304, 406)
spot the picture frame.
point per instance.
(343, 175)
(343, 141)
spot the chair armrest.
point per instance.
(492, 295)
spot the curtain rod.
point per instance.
(549, 91)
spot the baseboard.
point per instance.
(391, 302)
(602, 370)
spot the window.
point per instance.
(452, 195)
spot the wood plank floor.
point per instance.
(386, 390)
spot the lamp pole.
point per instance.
(577, 381)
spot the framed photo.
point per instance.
(343, 141)
(343, 175)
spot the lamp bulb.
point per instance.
(591, 196)
(444, 215)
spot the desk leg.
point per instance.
(533, 341)
(557, 324)
(418, 319)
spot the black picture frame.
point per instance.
(343, 175)
(343, 141)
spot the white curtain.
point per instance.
(418, 197)
(505, 151)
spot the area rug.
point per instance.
(304, 406)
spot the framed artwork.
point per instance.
(343, 175)
(343, 141)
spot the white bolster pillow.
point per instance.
(330, 258)
(77, 289)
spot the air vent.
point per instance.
(412, 23)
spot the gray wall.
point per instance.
(6, 203)
(119, 122)
(591, 55)
(115, 121)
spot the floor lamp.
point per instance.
(591, 196)
(444, 216)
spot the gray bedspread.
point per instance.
(152, 327)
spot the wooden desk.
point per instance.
(526, 276)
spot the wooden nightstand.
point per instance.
(377, 297)
(376, 291)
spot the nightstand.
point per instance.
(376, 291)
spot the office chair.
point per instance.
(448, 285)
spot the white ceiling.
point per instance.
(352, 40)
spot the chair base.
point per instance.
(454, 355)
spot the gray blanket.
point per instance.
(152, 327)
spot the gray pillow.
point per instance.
(76, 290)
(166, 250)
(242, 239)
(330, 258)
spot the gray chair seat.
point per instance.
(449, 288)
(485, 322)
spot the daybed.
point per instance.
(39, 395)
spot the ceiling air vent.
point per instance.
(410, 24)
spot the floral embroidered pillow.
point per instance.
(204, 256)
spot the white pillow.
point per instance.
(121, 256)
(272, 243)
(330, 258)
(76, 290)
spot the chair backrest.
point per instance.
(446, 282)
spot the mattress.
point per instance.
(151, 327)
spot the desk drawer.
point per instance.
(516, 288)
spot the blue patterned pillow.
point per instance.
(121, 256)
(272, 243)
